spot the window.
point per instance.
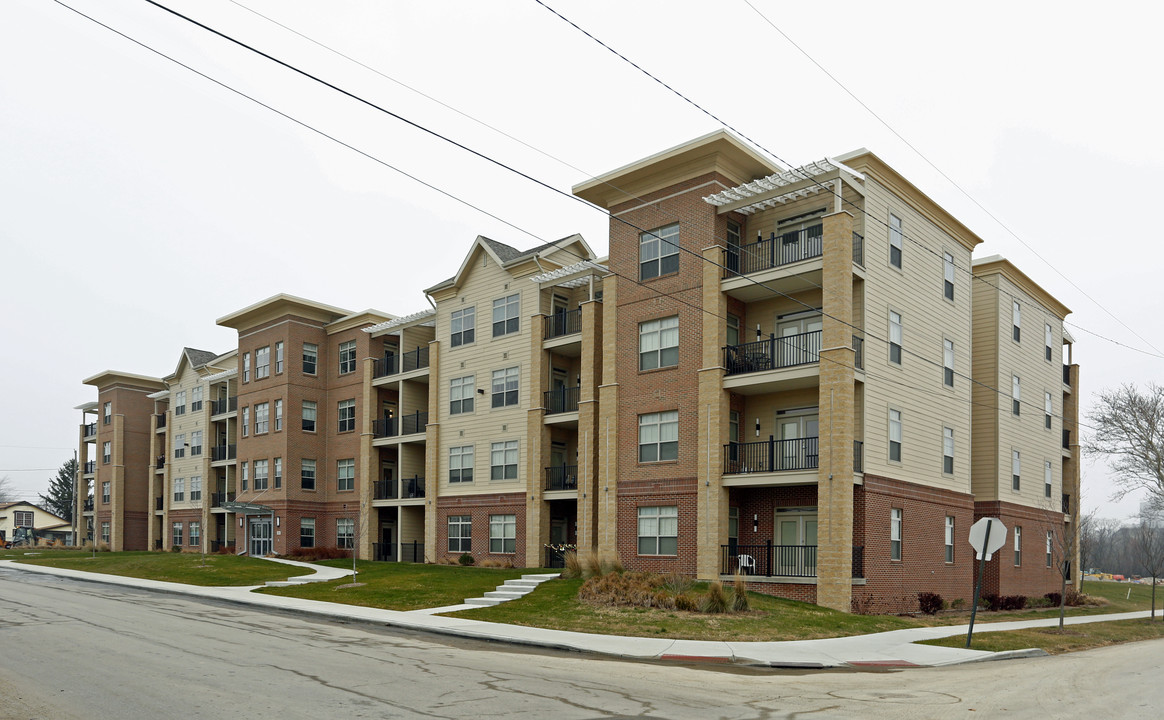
(659, 343)
(105, 532)
(895, 435)
(733, 528)
(949, 539)
(244, 476)
(107, 413)
(180, 445)
(105, 492)
(1047, 478)
(177, 527)
(462, 326)
(307, 532)
(1016, 470)
(733, 331)
(895, 534)
(460, 533)
(659, 252)
(895, 338)
(347, 415)
(279, 414)
(659, 530)
(948, 276)
(345, 533)
(505, 315)
(195, 533)
(262, 413)
(246, 421)
(309, 416)
(1018, 546)
(246, 364)
(180, 403)
(278, 473)
(261, 477)
(307, 474)
(179, 489)
(347, 357)
(503, 460)
(106, 452)
(948, 451)
(659, 436)
(1050, 540)
(895, 241)
(345, 474)
(948, 362)
(1015, 395)
(279, 357)
(1047, 410)
(196, 399)
(502, 533)
(196, 488)
(461, 464)
(310, 358)
(195, 443)
(505, 385)
(263, 362)
(1017, 316)
(461, 392)
(23, 518)
(1047, 342)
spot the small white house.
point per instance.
(44, 524)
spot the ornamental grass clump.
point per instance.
(715, 601)
(573, 566)
(740, 593)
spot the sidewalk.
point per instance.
(888, 649)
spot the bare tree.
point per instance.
(1129, 434)
(7, 492)
(1147, 545)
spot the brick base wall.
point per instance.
(680, 492)
(1032, 577)
(479, 508)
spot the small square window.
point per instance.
(659, 343)
(659, 436)
(503, 534)
(659, 252)
(658, 530)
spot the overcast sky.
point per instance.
(139, 201)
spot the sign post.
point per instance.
(986, 536)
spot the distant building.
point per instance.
(22, 520)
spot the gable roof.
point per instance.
(505, 255)
(194, 357)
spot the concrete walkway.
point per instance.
(896, 648)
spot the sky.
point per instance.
(140, 201)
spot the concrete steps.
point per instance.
(511, 590)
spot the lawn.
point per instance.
(404, 586)
(220, 570)
(1054, 641)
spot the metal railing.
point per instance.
(404, 425)
(774, 251)
(412, 552)
(859, 249)
(218, 407)
(770, 455)
(90, 429)
(161, 462)
(768, 560)
(562, 477)
(566, 322)
(161, 420)
(392, 364)
(555, 559)
(218, 498)
(562, 400)
(90, 467)
(402, 489)
(773, 353)
(858, 456)
(858, 352)
(223, 452)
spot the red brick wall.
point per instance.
(479, 508)
(680, 492)
(1032, 578)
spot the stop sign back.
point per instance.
(987, 535)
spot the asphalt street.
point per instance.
(71, 649)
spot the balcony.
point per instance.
(561, 400)
(88, 504)
(1066, 504)
(161, 462)
(773, 354)
(768, 560)
(90, 430)
(562, 477)
(412, 552)
(392, 364)
(223, 452)
(770, 455)
(161, 421)
(403, 489)
(397, 426)
(858, 249)
(563, 323)
(90, 467)
(1066, 374)
(218, 498)
(858, 353)
(223, 406)
(159, 503)
(774, 251)
(1066, 439)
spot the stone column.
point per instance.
(606, 433)
(588, 416)
(369, 470)
(714, 408)
(537, 516)
(432, 453)
(117, 487)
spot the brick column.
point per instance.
(537, 516)
(432, 453)
(714, 407)
(81, 487)
(117, 487)
(369, 469)
(588, 417)
(1070, 479)
(606, 433)
(835, 471)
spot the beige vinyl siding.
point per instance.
(988, 405)
(186, 424)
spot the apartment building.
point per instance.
(782, 371)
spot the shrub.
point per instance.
(573, 568)
(991, 602)
(677, 584)
(611, 565)
(715, 601)
(175, 548)
(1075, 599)
(1012, 602)
(316, 554)
(1054, 598)
(633, 589)
(466, 559)
(226, 549)
(957, 604)
(929, 603)
(740, 593)
(686, 602)
(501, 562)
(591, 567)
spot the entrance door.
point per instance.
(788, 458)
(260, 537)
(387, 542)
(796, 545)
(798, 448)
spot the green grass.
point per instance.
(1071, 639)
(221, 570)
(404, 586)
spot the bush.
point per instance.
(466, 559)
(573, 568)
(226, 549)
(631, 589)
(1012, 602)
(929, 603)
(175, 548)
(1054, 598)
(686, 602)
(957, 604)
(611, 565)
(319, 553)
(740, 593)
(991, 602)
(501, 562)
(716, 600)
(591, 567)
(677, 584)
(1075, 599)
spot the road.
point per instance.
(70, 649)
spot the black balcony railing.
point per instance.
(218, 498)
(859, 249)
(91, 429)
(858, 456)
(1066, 504)
(768, 560)
(774, 251)
(773, 353)
(412, 552)
(225, 405)
(161, 420)
(770, 455)
(385, 427)
(555, 559)
(858, 352)
(1066, 439)
(223, 452)
(404, 425)
(161, 462)
(562, 400)
(402, 489)
(566, 322)
(89, 503)
(159, 503)
(1066, 374)
(90, 467)
(392, 363)
(562, 477)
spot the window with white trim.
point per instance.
(279, 414)
(195, 533)
(895, 337)
(345, 533)
(23, 518)
(895, 235)
(177, 534)
(307, 532)
(347, 357)
(180, 402)
(346, 411)
(1047, 478)
(263, 362)
(895, 533)
(461, 464)
(195, 443)
(1048, 410)
(948, 276)
(179, 489)
(462, 326)
(278, 473)
(307, 474)
(505, 387)
(105, 492)
(948, 450)
(345, 474)
(659, 436)
(659, 252)
(461, 393)
(196, 398)
(195, 488)
(894, 435)
(310, 358)
(949, 538)
(1018, 546)
(261, 477)
(503, 460)
(1016, 470)
(106, 452)
(107, 413)
(105, 532)
(658, 530)
(309, 410)
(506, 315)
(278, 357)
(262, 415)
(1050, 546)
(503, 534)
(1016, 321)
(948, 362)
(180, 445)
(1016, 395)
(460, 533)
(1047, 342)
(244, 476)
(659, 343)
(246, 366)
